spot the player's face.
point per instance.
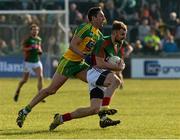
(120, 35)
(100, 19)
(34, 31)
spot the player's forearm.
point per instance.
(129, 51)
(75, 50)
(106, 65)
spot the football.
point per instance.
(114, 59)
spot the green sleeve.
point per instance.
(82, 31)
(125, 43)
(97, 47)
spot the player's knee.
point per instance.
(24, 81)
(50, 91)
(96, 93)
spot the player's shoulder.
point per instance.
(125, 42)
(83, 27)
(38, 38)
(102, 42)
(107, 40)
(87, 25)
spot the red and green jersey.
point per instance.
(105, 48)
(32, 49)
(89, 35)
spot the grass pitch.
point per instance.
(147, 109)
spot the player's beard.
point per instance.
(118, 41)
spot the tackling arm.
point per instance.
(75, 42)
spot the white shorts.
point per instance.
(29, 67)
(93, 75)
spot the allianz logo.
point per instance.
(10, 67)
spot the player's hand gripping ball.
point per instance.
(116, 60)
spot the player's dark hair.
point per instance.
(33, 25)
(92, 12)
(117, 25)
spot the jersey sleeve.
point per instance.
(99, 49)
(101, 34)
(125, 43)
(82, 31)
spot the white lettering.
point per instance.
(10, 67)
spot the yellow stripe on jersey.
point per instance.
(63, 64)
(81, 31)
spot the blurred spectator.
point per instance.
(168, 44)
(75, 16)
(110, 12)
(144, 12)
(137, 47)
(3, 47)
(172, 22)
(27, 19)
(53, 47)
(127, 11)
(8, 49)
(143, 29)
(13, 47)
(2, 19)
(169, 6)
(126, 5)
(155, 12)
(152, 44)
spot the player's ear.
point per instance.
(93, 18)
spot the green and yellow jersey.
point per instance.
(89, 36)
(32, 49)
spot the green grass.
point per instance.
(147, 109)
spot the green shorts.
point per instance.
(70, 68)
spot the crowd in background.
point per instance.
(153, 25)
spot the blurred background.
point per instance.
(153, 32)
